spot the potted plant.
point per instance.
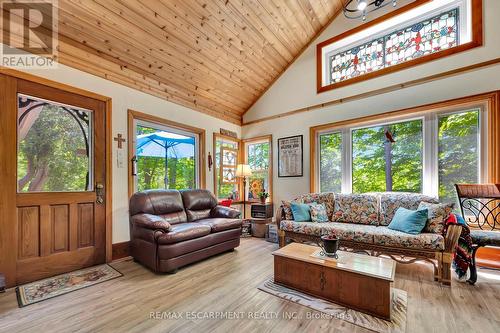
(330, 244)
(263, 196)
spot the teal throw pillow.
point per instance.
(301, 212)
(318, 212)
(409, 221)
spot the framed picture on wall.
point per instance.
(290, 156)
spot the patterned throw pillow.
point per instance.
(438, 214)
(287, 208)
(318, 213)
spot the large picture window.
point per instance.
(426, 152)
(458, 151)
(165, 158)
(164, 154)
(388, 157)
(410, 35)
(330, 162)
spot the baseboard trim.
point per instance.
(121, 250)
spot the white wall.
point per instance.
(296, 88)
(125, 98)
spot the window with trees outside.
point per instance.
(54, 147)
(396, 41)
(258, 155)
(165, 157)
(428, 153)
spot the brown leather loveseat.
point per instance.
(170, 228)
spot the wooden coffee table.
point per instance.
(357, 281)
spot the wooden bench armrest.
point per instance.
(452, 236)
(278, 216)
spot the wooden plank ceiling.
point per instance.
(214, 56)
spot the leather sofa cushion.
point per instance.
(183, 231)
(198, 203)
(195, 215)
(167, 251)
(225, 212)
(156, 202)
(174, 218)
(221, 224)
(149, 221)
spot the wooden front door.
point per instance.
(60, 173)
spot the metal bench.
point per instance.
(480, 207)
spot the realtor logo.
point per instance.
(29, 34)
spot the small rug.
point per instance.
(335, 311)
(42, 290)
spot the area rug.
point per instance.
(335, 311)
(42, 290)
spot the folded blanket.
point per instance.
(462, 258)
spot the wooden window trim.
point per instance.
(491, 100)
(477, 40)
(136, 115)
(217, 136)
(268, 138)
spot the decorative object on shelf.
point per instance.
(210, 162)
(228, 133)
(226, 202)
(246, 229)
(290, 156)
(243, 171)
(263, 196)
(355, 9)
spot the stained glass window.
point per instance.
(359, 60)
(432, 35)
(228, 168)
(426, 37)
(222, 189)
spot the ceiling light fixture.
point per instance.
(355, 9)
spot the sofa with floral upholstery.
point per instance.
(360, 222)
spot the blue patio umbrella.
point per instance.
(161, 144)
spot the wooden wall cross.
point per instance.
(120, 140)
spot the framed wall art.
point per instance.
(290, 156)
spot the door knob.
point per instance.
(99, 190)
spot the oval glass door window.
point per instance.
(54, 147)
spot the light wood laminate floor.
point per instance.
(228, 283)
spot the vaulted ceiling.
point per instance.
(214, 56)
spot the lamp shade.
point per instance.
(243, 170)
